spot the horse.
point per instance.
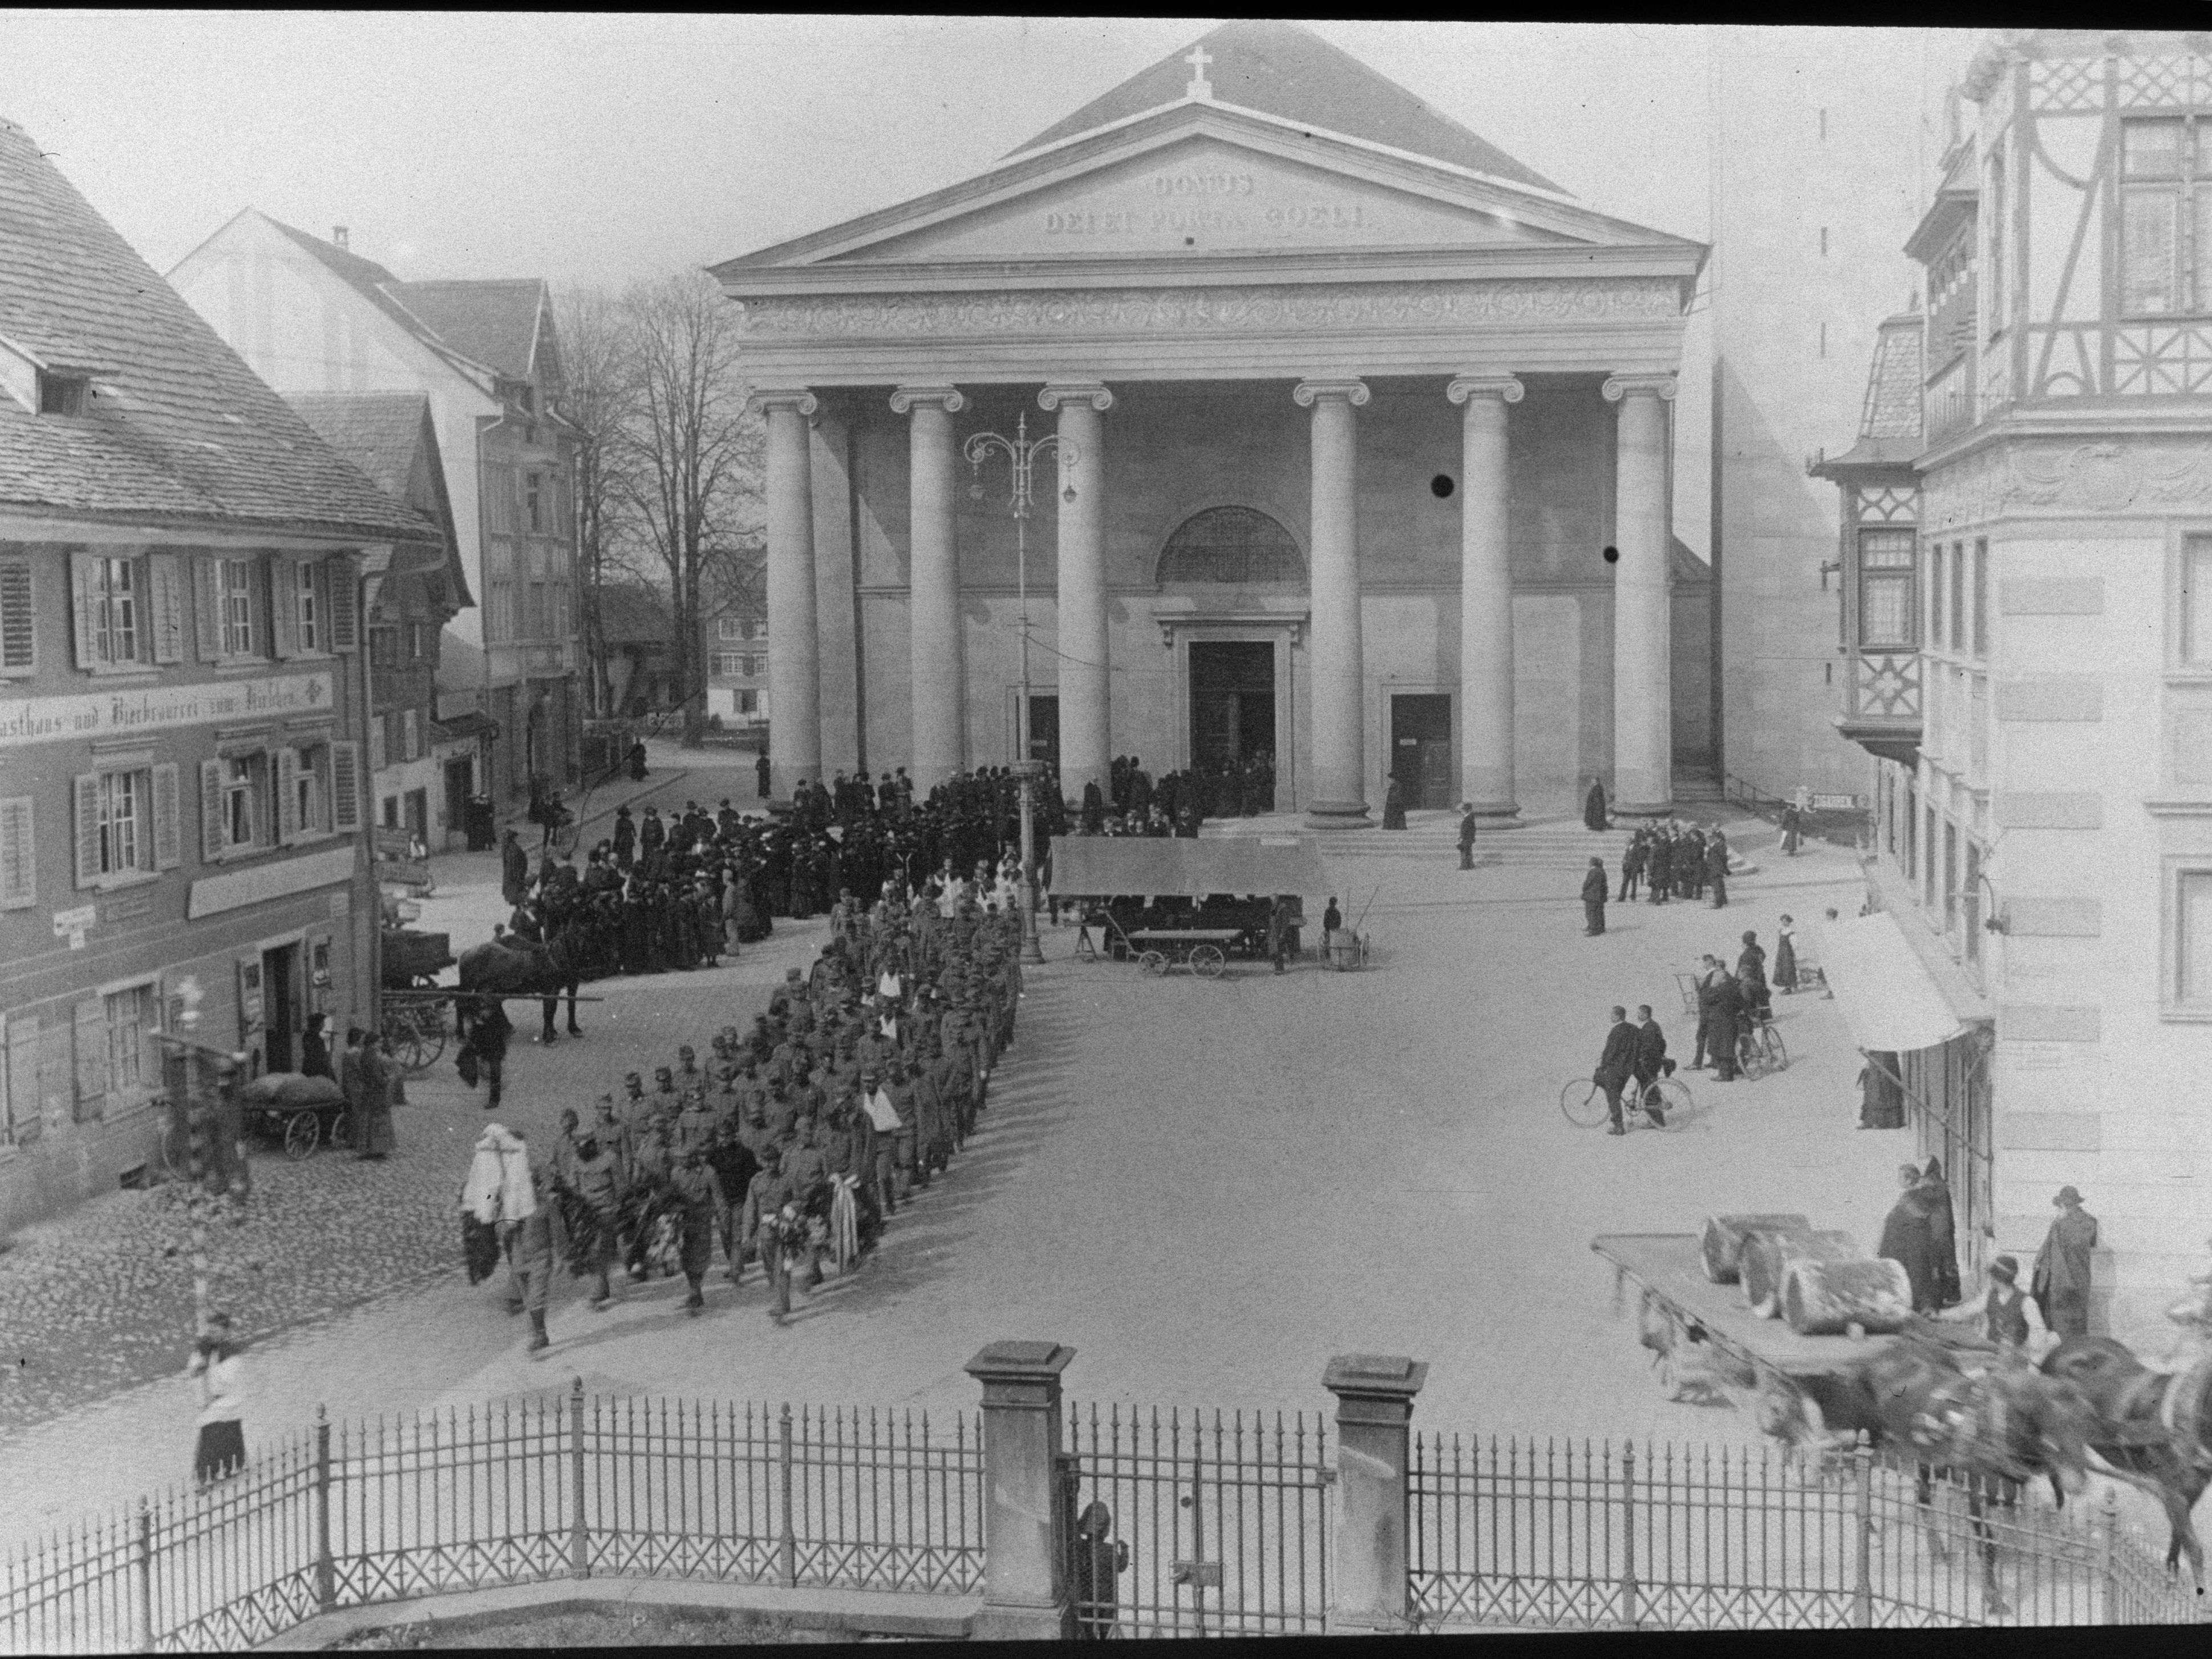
(1998, 1427)
(506, 967)
(2151, 1427)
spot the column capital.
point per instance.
(907, 397)
(783, 397)
(1354, 393)
(1090, 391)
(1618, 386)
(1504, 387)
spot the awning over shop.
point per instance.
(1103, 865)
(464, 727)
(1890, 1000)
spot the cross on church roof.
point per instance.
(1200, 87)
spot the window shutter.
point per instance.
(207, 598)
(168, 811)
(211, 813)
(166, 581)
(23, 1078)
(345, 787)
(257, 586)
(284, 606)
(288, 796)
(322, 568)
(18, 618)
(87, 829)
(19, 870)
(83, 575)
(91, 1057)
(345, 621)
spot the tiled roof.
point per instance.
(385, 434)
(373, 283)
(179, 427)
(1280, 68)
(1892, 399)
(493, 322)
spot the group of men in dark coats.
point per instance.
(1133, 804)
(856, 1084)
(1673, 861)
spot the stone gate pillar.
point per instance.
(1373, 1405)
(1024, 1592)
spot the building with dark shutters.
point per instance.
(182, 698)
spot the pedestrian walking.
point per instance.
(219, 1451)
(1881, 1100)
(1792, 827)
(533, 1245)
(601, 1187)
(1785, 978)
(1279, 932)
(1717, 862)
(700, 1202)
(1942, 1234)
(1466, 835)
(2060, 1284)
(514, 870)
(1594, 891)
(487, 1038)
(760, 774)
(1631, 865)
(1393, 805)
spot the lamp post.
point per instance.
(1021, 451)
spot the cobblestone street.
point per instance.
(1281, 1168)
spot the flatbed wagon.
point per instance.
(1681, 1307)
(1204, 950)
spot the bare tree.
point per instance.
(692, 458)
(599, 399)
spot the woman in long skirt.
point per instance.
(220, 1450)
(375, 1140)
(1785, 957)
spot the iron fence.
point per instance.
(1226, 1520)
(1563, 1534)
(530, 1491)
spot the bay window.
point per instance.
(1886, 595)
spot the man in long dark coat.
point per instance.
(1593, 890)
(1660, 866)
(2060, 1284)
(1908, 1240)
(1593, 806)
(513, 870)
(1616, 1064)
(760, 774)
(1465, 836)
(1942, 1234)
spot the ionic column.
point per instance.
(934, 583)
(1339, 767)
(1643, 692)
(1085, 718)
(794, 685)
(1486, 596)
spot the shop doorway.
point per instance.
(280, 990)
(1421, 748)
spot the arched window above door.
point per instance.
(1234, 546)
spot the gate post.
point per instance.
(326, 1591)
(1373, 1406)
(1024, 1580)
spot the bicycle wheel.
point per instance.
(1676, 1101)
(1750, 1059)
(1777, 1057)
(1153, 962)
(1583, 1103)
(1207, 961)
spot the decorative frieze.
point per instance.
(2070, 479)
(1250, 310)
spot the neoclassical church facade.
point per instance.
(1363, 459)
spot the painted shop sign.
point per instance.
(26, 720)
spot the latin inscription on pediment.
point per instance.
(1206, 196)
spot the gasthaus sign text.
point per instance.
(117, 713)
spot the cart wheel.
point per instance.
(1153, 962)
(1777, 1057)
(301, 1131)
(340, 1131)
(1207, 961)
(1583, 1103)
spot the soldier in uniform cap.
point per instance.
(687, 1066)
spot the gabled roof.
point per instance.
(179, 429)
(1281, 70)
(494, 322)
(391, 437)
(376, 285)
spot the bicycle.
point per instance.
(1583, 1103)
(1760, 1051)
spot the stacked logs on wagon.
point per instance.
(1815, 1279)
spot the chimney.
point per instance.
(338, 234)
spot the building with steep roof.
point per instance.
(184, 565)
(422, 772)
(314, 318)
(1365, 435)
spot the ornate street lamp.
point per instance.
(1022, 452)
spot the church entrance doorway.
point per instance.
(1421, 748)
(1232, 724)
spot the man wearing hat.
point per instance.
(1466, 835)
(1595, 885)
(2009, 1317)
(2061, 1282)
(688, 1075)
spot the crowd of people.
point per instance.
(859, 1083)
(1675, 860)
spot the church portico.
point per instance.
(1409, 437)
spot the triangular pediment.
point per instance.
(1200, 176)
(1210, 194)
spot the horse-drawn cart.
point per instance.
(413, 1008)
(1683, 1308)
